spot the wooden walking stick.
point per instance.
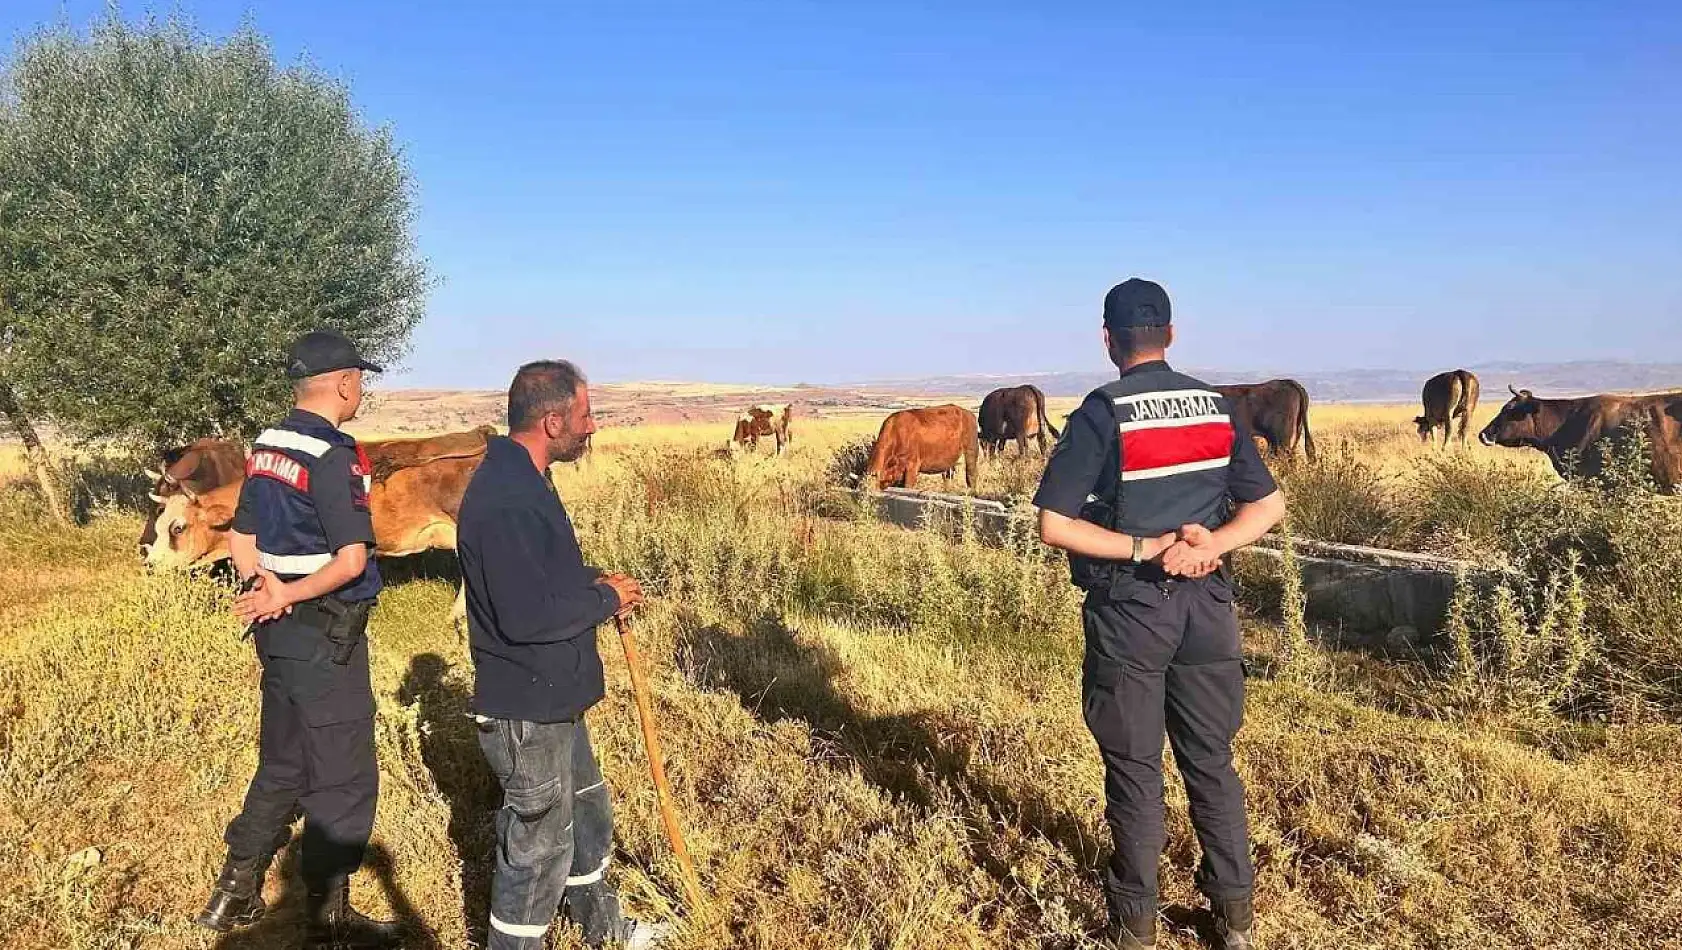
(657, 764)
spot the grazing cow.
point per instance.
(417, 487)
(1445, 396)
(1576, 434)
(1276, 410)
(765, 420)
(192, 469)
(924, 441)
(1014, 413)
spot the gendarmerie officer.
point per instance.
(1152, 482)
(302, 540)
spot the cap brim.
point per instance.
(370, 367)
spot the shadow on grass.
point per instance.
(425, 566)
(450, 749)
(283, 926)
(915, 757)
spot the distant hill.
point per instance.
(1355, 385)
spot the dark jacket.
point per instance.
(306, 496)
(1152, 451)
(532, 604)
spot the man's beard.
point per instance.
(573, 448)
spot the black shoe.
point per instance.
(237, 900)
(1136, 933)
(1235, 924)
(334, 923)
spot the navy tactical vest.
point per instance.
(290, 539)
(1175, 436)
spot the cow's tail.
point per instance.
(1045, 423)
(1302, 420)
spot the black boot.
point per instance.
(334, 923)
(1136, 933)
(1235, 924)
(237, 900)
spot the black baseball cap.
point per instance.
(324, 352)
(1136, 303)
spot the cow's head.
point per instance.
(197, 468)
(191, 529)
(1424, 426)
(889, 465)
(1517, 424)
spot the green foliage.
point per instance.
(1519, 645)
(174, 211)
(1622, 544)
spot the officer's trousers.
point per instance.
(315, 754)
(1166, 657)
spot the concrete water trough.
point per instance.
(1397, 598)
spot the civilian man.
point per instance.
(532, 611)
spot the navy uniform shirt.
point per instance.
(533, 605)
(1087, 462)
(335, 488)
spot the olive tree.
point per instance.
(174, 210)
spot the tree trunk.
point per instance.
(36, 452)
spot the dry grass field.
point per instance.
(874, 734)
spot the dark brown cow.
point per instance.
(417, 488)
(1576, 434)
(925, 441)
(1445, 396)
(1014, 413)
(760, 421)
(1276, 410)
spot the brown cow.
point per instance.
(416, 491)
(1276, 410)
(766, 420)
(1445, 396)
(1016, 413)
(1576, 434)
(924, 441)
(197, 468)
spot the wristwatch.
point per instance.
(1138, 550)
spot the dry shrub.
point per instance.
(1340, 496)
(1457, 503)
(847, 465)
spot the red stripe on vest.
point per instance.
(363, 466)
(280, 467)
(1175, 445)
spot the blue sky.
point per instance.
(792, 191)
